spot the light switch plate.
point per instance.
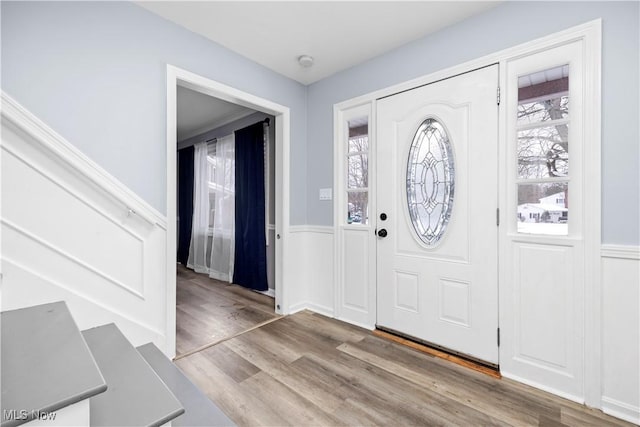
(325, 194)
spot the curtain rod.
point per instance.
(267, 121)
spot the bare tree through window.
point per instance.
(358, 171)
(542, 129)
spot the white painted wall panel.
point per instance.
(355, 291)
(321, 270)
(621, 334)
(312, 270)
(67, 234)
(59, 218)
(544, 305)
(297, 270)
(543, 318)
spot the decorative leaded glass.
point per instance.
(430, 181)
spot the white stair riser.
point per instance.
(75, 415)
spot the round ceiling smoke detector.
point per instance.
(305, 61)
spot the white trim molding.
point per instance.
(64, 151)
(284, 295)
(620, 251)
(322, 229)
(621, 410)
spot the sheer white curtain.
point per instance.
(223, 186)
(200, 225)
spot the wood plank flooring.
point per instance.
(209, 310)
(307, 369)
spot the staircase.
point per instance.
(53, 374)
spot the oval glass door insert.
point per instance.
(430, 181)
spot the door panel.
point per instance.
(441, 290)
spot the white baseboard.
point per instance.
(320, 309)
(297, 307)
(356, 323)
(543, 387)
(621, 410)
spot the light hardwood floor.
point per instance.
(307, 369)
(209, 310)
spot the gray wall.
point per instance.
(507, 25)
(96, 73)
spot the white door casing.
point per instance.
(586, 336)
(177, 76)
(445, 293)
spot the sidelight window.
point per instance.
(358, 171)
(542, 147)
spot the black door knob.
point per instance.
(382, 232)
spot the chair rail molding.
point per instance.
(620, 251)
(64, 151)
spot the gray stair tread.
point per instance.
(199, 410)
(46, 364)
(136, 395)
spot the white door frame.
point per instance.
(180, 77)
(591, 34)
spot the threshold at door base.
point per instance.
(458, 360)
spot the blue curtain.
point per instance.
(185, 202)
(250, 266)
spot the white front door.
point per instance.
(437, 251)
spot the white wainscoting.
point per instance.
(312, 267)
(356, 293)
(320, 269)
(621, 332)
(297, 269)
(72, 232)
(542, 318)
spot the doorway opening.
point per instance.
(214, 301)
(203, 306)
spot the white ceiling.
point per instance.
(198, 113)
(338, 34)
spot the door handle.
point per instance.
(382, 232)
